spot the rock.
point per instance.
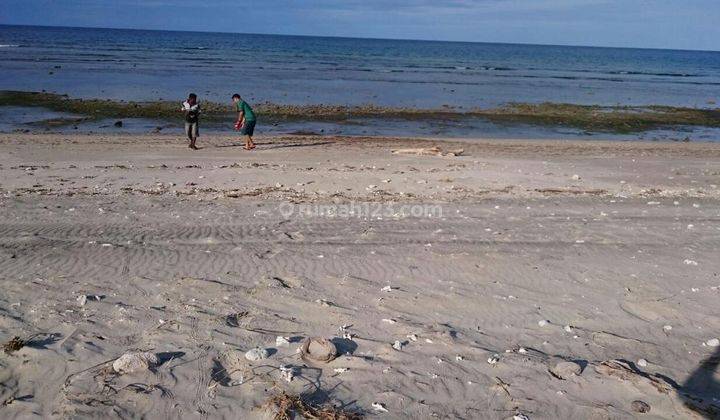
(642, 362)
(565, 370)
(134, 362)
(640, 406)
(82, 300)
(316, 349)
(258, 353)
(667, 328)
(713, 342)
(493, 359)
(398, 345)
(543, 322)
(576, 177)
(118, 124)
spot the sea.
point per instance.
(144, 65)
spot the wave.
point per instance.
(9, 45)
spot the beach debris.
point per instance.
(317, 349)
(690, 262)
(640, 406)
(379, 407)
(522, 350)
(459, 358)
(389, 320)
(341, 370)
(398, 345)
(258, 353)
(427, 151)
(131, 362)
(565, 370)
(324, 302)
(713, 342)
(15, 344)
(667, 328)
(642, 362)
(623, 371)
(83, 299)
(282, 341)
(493, 359)
(576, 177)
(412, 337)
(387, 289)
(287, 372)
(543, 322)
(568, 329)
(286, 406)
(520, 416)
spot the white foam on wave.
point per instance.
(9, 45)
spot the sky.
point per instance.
(676, 24)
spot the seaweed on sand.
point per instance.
(287, 407)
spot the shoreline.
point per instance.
(602, 119)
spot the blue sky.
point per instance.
(682, 24)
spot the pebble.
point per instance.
(398, 345)
(134, 361)
(567, 328)
(642, 363)
(256, 354)
(565, 370)
(713, 342)
(386, 289)
(282, 342)
(640, 406)
(82, 300)
(543, 322)
(576, 177)
(667, 327)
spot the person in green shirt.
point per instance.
(245, 120)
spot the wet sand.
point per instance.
(522, 255)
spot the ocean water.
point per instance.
(151, 65)
(148, 65)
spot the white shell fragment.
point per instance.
(543, 322)
(282, 341)
(493, 359)
(258, 353)
(713, 342)
(134, 362)
(642, 362)
(287, 372)
(380, 407)
(398, 345)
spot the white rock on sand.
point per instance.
(132, 362)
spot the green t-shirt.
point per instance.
(243, 107)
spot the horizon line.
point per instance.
(361, 37)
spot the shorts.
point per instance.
(248, 128)
(192, 130)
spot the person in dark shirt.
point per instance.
(191, 108)
(245, 120)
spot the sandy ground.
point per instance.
(489, 268)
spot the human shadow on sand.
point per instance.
(701, 391)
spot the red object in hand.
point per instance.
(238, 126)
